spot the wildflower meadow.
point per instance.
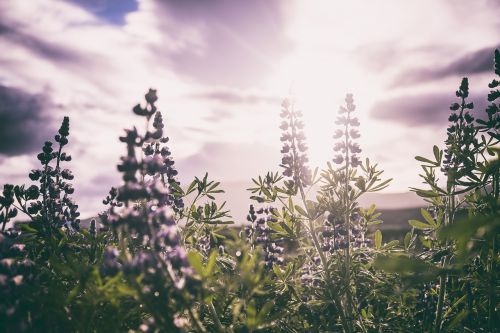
(166, 256)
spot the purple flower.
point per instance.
(294, 148)
(346, 134)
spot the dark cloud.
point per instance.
(429, 109)
(241, 39)
(479, 61)
(234, 97)
(36, 45)
(112, 11)
(24, 123)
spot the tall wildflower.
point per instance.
(492, 124)
(347, 150)
(343, 228)
(294, 160)
(157, 148)
(147, 215)
(461, 132)
(261, 234)
(50, 203)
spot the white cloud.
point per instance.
(107, 69)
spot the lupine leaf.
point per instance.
(427, 216)
(420, 225)
(378, 239)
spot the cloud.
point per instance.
(228, 96)
(237, 42)
(479, 61)
(24, 121)
(38, 46)
(218, 114)
(427, 109)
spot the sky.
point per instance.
(221, 69)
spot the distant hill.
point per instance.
(395, 205)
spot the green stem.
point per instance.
(347, 222)
(324, 262)
(492, 295)
(442, 292)
(215, 318)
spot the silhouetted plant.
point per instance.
(50, 204)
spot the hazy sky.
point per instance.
(221, 68)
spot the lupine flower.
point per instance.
(159, 152)
(260, 234)
(334, 234)
(310, 277)
(56, 207)
(294, 149)
(461, 133)
(492, 124)
(345, 148)
(146, 212)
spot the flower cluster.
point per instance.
(51, 200)
(7, 209)
(346, 149)
(334, 234)
(146, 215)
(157, 149)
(260, 234)
(294, 149)
(309, 276)
(492, 125)
(461, 133)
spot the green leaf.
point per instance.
(378, 239)
(195, 259)
(425, 242)
(420, 225)
(278, 272)
(407, 240)
(25, 227)
(391, 244)
(374, 222)
(427, 194)
(287, 229)
(437, 154)
(301, 211)
(427, 216)
(210, 264)
(424, 160)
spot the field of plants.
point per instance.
(164, 256)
